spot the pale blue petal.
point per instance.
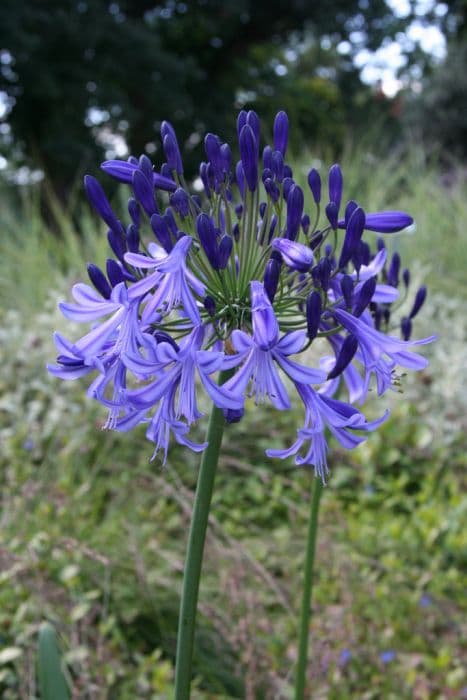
(299, 373)
(291, 343)
(82, 314)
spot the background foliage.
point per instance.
(78, 75)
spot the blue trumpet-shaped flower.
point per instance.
(263, 353)
(174, 369)
(169, 285)
(381, 353)
(322, 412)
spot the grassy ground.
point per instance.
(92, 534)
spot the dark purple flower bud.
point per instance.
(305, 222)
(226, 154)
(144, 193)
(295, 201)
(406, 328)
(236, 232)
(161, 231)
(419, 301)
(316, 240)
(210, 305)
(132, 238)
(267, 174)
(249, 156)
(240, 175)
(295, 255)
(167, 128)
(167, 173)
(357, 259)
(132, 160)
(180, 201)
(380, 244)
(393, 272)
(267, 157)
(241, 121)
(313, 314)
(134, 211)
(365, 295)
(163, 337)
(287, 185)
(365, 253)
(99, 201)
(271, 278)
(278, 165)
(388, 221)
(208, 239)
(252, 120)
(345, 356)
(123, 172)
(347, 290)
(225, 249)
(281, 132)
(275, 255)
(314, 183)
(288, 172)
(353, 236)
(127, 275)
(406, 277)
(233, 415)
(117, 242)
(175, 158)
(239, 210)
(172, 153)
(212, 145)
(332, 213)
(114, 272)
(145, 166)
(203, 168)
(271, 189)
(336, 184)
(349, 210)
(273, 228)
(262, 209)
(170, 220)
(99, 280)
(323, 273)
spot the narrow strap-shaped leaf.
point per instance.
(52, 682)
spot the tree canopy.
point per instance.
(80, 78)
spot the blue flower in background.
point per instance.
(238, 280)
(425, 601)
(387, 656)
(344, 657)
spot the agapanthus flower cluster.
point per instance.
(240, 280)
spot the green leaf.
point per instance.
(52, 682)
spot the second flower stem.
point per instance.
(300, 681)
(195, 549)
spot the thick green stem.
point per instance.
(195, 548)
(300, 680)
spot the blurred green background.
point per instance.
(92, 534)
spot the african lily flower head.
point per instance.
(239, 281)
